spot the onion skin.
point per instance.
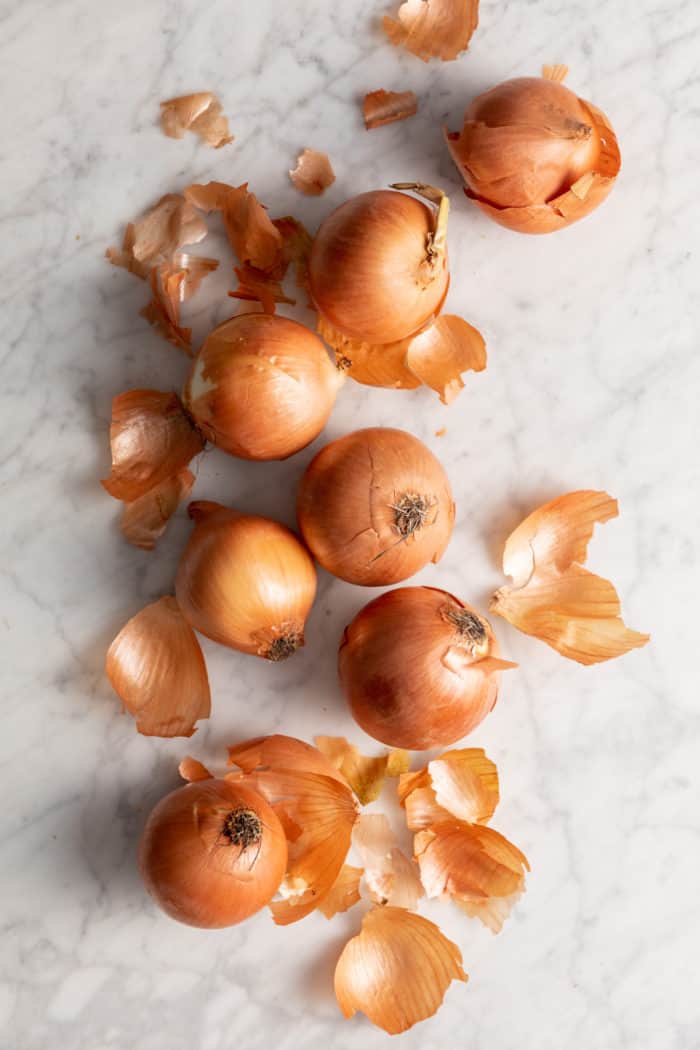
(369, 272)
(350, 500)
(261, 387)
(245, 582)
(192, 866)
(410, 677)
(534, 156)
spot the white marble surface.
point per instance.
(592, 382)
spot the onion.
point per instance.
(261, 387)
(212, 853)
(246, 582)
(534, 156)
(419, 668)
(375, 506)
(378, 267)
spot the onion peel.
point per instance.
(257, 286)
(201, 113)
(552, 596)
(461, 784)
(157, 669)
(154, 238)
(365, 775)
(282, 752)
(313, 173)
(344, 893)
(145, 519)
(163, 311)
(192, 770)
(433, 28)
(396, 970)
(250, 231)
(390, 876)
(151, 438)
(384, 107)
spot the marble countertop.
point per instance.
(592, 381)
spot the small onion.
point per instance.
(375, 506)
(534, 156)
(212, 853)
(378, 267)
(261, 387)
(246, 582)
(419, 668)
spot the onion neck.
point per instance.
(436, 241)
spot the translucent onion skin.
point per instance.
(261, 387)
(246, 582)
(212, 853)
(375, 506)
(419, 668)
(534, 156)
(369, 271)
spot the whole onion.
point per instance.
(261, 387)
(378, 267)
(246, 582)
(419, 668)
(212, 853)
(375, 506)
(534, 156)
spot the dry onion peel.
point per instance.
(151, 439)
(145, 519)
(535, 157)
(163, 310)
(433, 28)
(396, 970)
(390, 876)
(460, 784)
(156, 667)
(245, 582)
(201, 113)
(344, 892)
(552, 596)
(439, 355)
(192, 770)
(257, 286)
(384, 107)
(375, 506)
(317, 813)
(155, 238)
(282, 752)
(472, 864)
(313, 173)
(364, 774)
(251, 232)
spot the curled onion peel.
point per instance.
(396, 970)
(461, 784)
(552, 596)
(433, 28)
(212, 853)
(378, 267)
(201, 113)
(390, 876)
(419, 668)
(535, 157)
(245, 582)
(313, 173)
(364, 774)
(375, 506)
(386, 107)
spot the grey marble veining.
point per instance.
(592, 381)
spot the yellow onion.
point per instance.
(378, 267)
(246, 582)
(419, 668)
(212, 853)
(534, 156)
(261, 387)
(375, 506)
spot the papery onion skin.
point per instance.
(375, 506)
(212, 853)
(534, 156)
(369, 271)
(261, 387)
(245, 582)
(419, 668)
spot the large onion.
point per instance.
(419, 668)
(247, 582)
(534, 156)
(378, 267)
(212, 853)
(375, 506)
(261, 387)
